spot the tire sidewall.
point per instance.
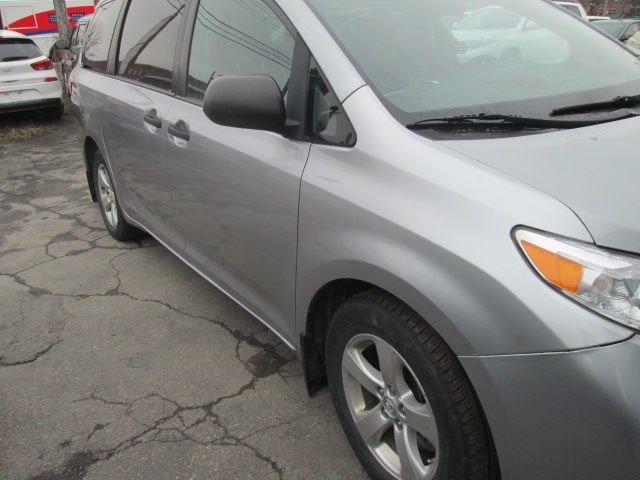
(117, 231)
(361, 316)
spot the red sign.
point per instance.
(45, 22)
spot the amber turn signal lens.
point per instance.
(601, 280)
(554, 268)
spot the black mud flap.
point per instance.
(313, 365)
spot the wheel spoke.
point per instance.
(104, 179)
(390, 363)
(406, 446)
(372, 425)
(362, 371)
(420, 418)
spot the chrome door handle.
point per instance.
(151, 117)
(180, 130)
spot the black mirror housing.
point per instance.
(251, 101)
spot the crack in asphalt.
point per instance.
(32, 359)
(77, 465)
(154, 430)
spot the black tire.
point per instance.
(54, 113)
(464, 445)
(122, 230)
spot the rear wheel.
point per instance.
(110, 209)
(404, 402)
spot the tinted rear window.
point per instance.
(15, 49)
(148, 41)
(98, 41)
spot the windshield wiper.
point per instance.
(618, 102)
(483, 120)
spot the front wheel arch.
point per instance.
(328, 298)
(317, 304)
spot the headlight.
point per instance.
(606, 282)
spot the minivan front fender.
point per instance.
(433, 228)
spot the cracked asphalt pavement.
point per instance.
(119, 362)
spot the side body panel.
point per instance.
(236, 193)
(87, 102)
(434, 228)
(137, 151)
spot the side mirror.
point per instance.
(62, 44)
(252, 101)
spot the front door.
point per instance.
(236, 191)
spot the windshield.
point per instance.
(490, 18)
(429, 58)
(612, 28)
(14, 49)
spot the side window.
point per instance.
(96, 49)
(148, 41)
(327, 122)
(238, 38)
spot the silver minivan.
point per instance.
(446, 231)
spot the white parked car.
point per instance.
(481, 27)
(574, 7)
(529, 44)
(494, 33)
(28, 80)
(480, 30)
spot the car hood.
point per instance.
(595, 171)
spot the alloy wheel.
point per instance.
(390, 409)
(107, 196)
